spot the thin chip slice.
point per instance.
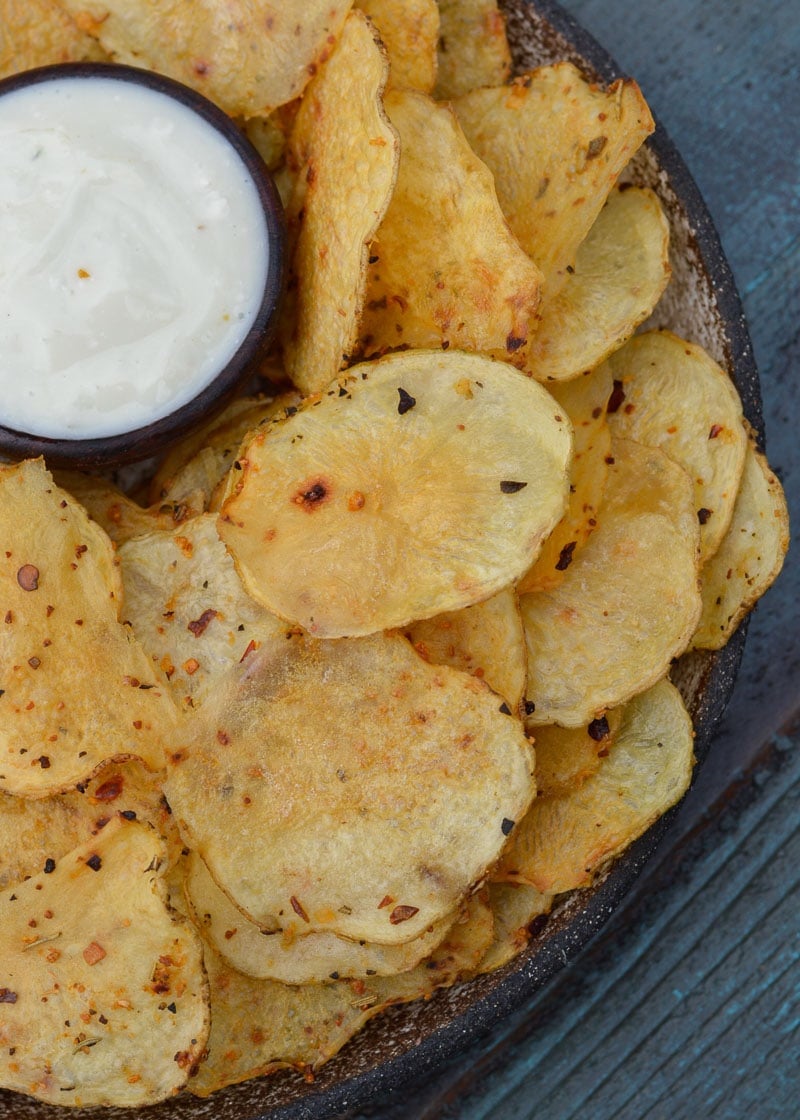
(315, 958)
(585, 400)
(78, 690)
(750, 557)
(419, 484)
(671, 394)
(343, 156)
(564, 840)
(103, 996)
(487, 640)
(473, 48)
(516, 908)
(259, 1026)
(567, 756)
(410, 31)
(629, 602)
(620, 271)
(444, 268)
(120, 516)
(40, 33)
(248, 57)
(556, 145)
(349, 787)
(188, 608)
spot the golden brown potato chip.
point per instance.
(563, 840)
(473, 48)
(585, 400)
(343, 155)
(40, 33)
(555, 144)
(248, 57)
(103, 996)
(410, 31)
(349, 787)
(78, 690)
(269, 137)
(629, 601)
(419, 484)
(487, 640)
(315, 958)
(620, 271)
(188, 608)
(444, 268)
(514, 907)
(120, 516)
(259, 1026)
(567, 756)
(671, 394)
(750, 557)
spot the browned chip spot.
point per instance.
(312, 494)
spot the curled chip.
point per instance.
(620, 271)
(67, 704)
(473, 48)
(750, 556)
(564, 839)
(486, 639)
(122, 517)
(343, 156)
(104, 996)
(349, 787)
(515, 907)
(567, 756)
(409, 30)
(419, 484)
(247, 57)
(314, 958)
(628, 603)
(445, 269)
(259, 1026)
(40, 33)
(670, 394)
(584, 400)
(556, 145)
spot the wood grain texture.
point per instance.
(688, 1004)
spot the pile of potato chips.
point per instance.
(378, 668)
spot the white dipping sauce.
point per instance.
(133, 256)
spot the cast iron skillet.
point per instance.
(405, 1044)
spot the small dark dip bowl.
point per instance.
(102, 452)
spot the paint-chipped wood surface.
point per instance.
(687, 1006)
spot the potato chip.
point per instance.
(246, 57)
(258, 1026)
(78, 690)
(343, 155)
(620, 271)
(188, 608)
(313, 959)
(444, 268)
(567, 756)
(564, 840)
(39, 33)
(103, 997)
(349, 787)
(671, 394)
(268, 137)
(473, 48)
(120, 516)
(585, 400)
(629, 601)
(750, 557)
(409, 30)
(555, 144)
(419, 484)
(514, 907)
(487, 640)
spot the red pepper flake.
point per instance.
(298, 908)
(598, 729)
(402, 914)
(128, 814)
(49, 610)
(504, 708)
(311, 496)
(49, 866)
(95, 862)
(94, 953)
(406, 402)
(199, 625)
(80, 549)
(513, 342)
(506, 826)
(7, 996)
(137, 723)
(110, 789)
(43, 761)
(229, 933)
(616, 398)
(530, 707)
(34, 662)
(356, 501)
(512, 487)
(703, 515)
(596, 146)
(715, 430)
(387, 900)
(28, 577)
(251, 646)
(9, 617)
(223, 738)
(191, 666)
(565, 556)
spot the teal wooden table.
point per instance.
(687, 1005)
